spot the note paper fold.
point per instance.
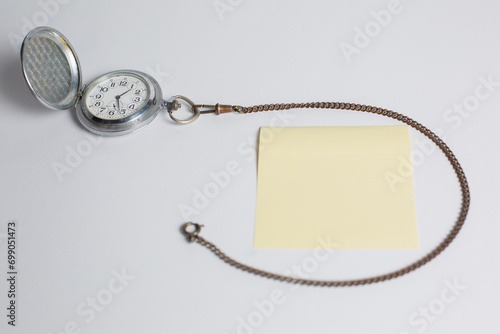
(352, 186)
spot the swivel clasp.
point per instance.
(191, 233)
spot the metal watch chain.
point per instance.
(192, 230)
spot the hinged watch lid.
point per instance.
(51, 68)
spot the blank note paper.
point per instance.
(342, 184)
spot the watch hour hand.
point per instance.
(118, 96)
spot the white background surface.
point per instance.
(118, 209)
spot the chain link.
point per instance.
(194, 237)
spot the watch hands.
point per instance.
(118, 96)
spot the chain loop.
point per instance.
(194, 237)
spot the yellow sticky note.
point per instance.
(341, 183)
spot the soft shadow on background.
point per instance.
(14, 87)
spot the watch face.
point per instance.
(119, 102)
(116, 97)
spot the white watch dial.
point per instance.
(117, 97)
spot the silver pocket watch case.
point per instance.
(116, 103)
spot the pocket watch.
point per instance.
(115, 103)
